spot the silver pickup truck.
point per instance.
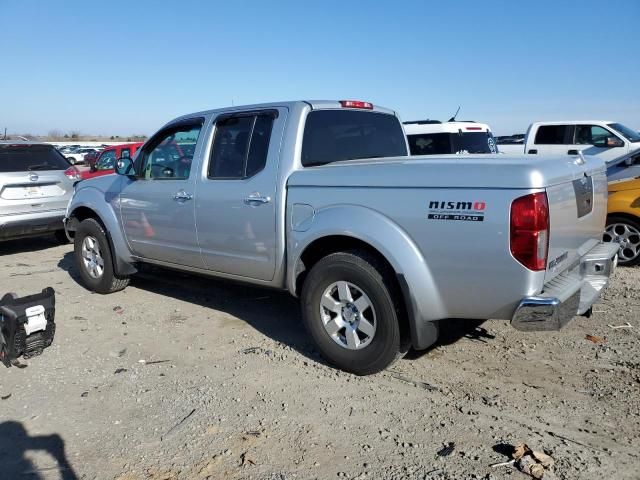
(320, 198)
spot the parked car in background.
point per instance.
(35, 188)
(91, 157)
(432, 137)
(603, 139)
(77, 156)
(321, 199)
(516, 139)
(623, 219)
(106, 161)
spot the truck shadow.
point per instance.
(15, 442)
(273, 313)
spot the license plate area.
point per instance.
(21, 192)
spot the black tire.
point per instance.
(626, 256)
(61, 237)
(371, 276)
(107, 282)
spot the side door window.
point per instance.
(591, 134)
(240, 146)
(170, 153)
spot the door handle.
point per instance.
(572, 152)
(533, 151)
(256, 199)
(181, 196)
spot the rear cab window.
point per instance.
(23, 158)
(336, 135)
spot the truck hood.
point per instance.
(452, 171)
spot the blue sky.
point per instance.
(126, 67)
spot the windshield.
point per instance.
(334, 135)
(449, 143)
(628, 133)
(23, 158)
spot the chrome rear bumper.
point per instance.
(570, 294)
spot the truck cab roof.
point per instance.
(574, 122)
(313, 104)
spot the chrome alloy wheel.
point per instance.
(627, 236)
(92, 257)
(348, 315)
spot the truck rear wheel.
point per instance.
(626, 232)
(94, 258)
(350, 309)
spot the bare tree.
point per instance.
(55, 134)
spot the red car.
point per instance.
(106, 162)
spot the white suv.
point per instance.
(432, 137)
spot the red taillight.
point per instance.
(72, 173)
(529, 239)
(473, 128)
(356, 104)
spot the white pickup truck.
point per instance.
(603, 139)
(320, 198)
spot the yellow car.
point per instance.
(623, 219)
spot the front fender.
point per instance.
(104, 205)
(421, 294)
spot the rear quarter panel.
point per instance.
(465, 268)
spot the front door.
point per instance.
(237, 201)
(157, 207)
(591, 140)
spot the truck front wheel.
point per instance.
(350, 309)
(94, 258)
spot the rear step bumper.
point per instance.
(570, 294)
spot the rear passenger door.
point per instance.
(237, 197)
(552, 140)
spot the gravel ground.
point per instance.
(183, 377)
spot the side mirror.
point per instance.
(124, 166)
(612, 142)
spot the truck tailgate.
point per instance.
(577, 214)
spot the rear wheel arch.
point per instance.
(633, 218)
(328, 245)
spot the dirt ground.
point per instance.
(182, 377)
